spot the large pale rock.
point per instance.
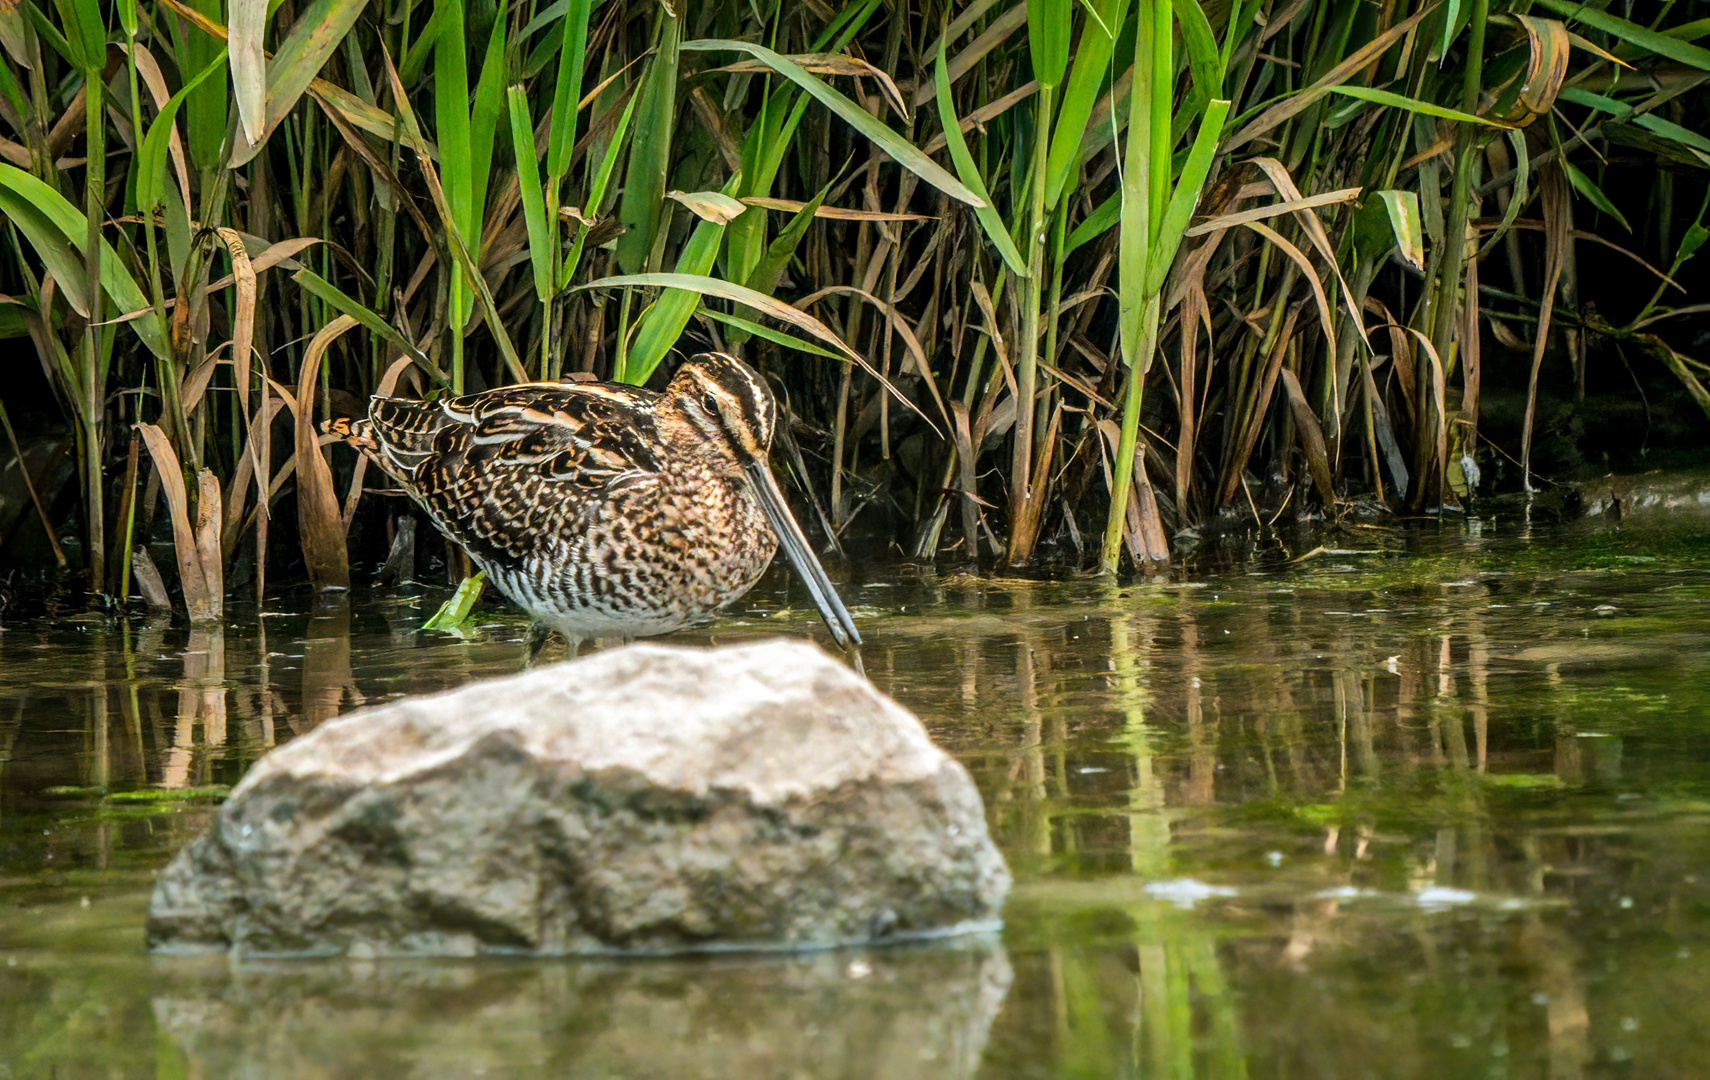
(641, 799)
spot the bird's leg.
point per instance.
(534, 641)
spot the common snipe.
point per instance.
(604, 510)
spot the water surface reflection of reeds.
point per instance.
(1400, 816)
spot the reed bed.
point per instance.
(1040, 280)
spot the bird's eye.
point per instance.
(710, 403)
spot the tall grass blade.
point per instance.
(1099, 31)
(996, 231)
(1632, 33)
(298, 60)
(48, 221)
(572, 52)
(1186, 196)
(542, 235)
(650, 150)
(904, 152)
(151, 160)
(706, 286)
(246, 22)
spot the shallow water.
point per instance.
(1431, 806)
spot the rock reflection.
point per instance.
(885, 1014)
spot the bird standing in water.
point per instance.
(605, 511)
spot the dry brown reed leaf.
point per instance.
(1147, 524)
(1024, 530)
(149, 69)
(1678, 365)
(383, 172)
(995, 34)
(985, 114)
(243, 319)
(983, 298)
(1195, 313)
(1326, 321)
(198, 549)
(147, 577)
(1548, 42)
(1297, 103)
(1143, 530)
(1439, 389)
(1285, 186)
(256, 449)
(832, 64)
(1262, 213)
(903, 329)
(1253, 421)
(836, 213)
(713, 118)
(1558, 234)
(966, 453)
(714, 206)
(319, 526)
(1311, 435)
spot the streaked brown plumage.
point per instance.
(604, 510)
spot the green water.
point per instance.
(1435, 809)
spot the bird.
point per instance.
(605, 511)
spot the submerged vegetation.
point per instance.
(1038, 279)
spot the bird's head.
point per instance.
(726, 403)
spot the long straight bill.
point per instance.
(801, 556)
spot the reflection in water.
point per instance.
(897, 1013)
(1424, 815)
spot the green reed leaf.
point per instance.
(1583, 184)
(572, 52)
(766, 333)
(764, 276)
(650, 150)
(345, 304)
(246, 23)
(484, 120)
(904, 152)
(49, 221)
(1414, 105)
(1048, 28)
(1632, 33)
(151, 160)
(1099, 31)
(597, 193)
(1103, 218)
(1168, 238)
(659, 327)
(996, 231)
(455, 612)
(542, 237)
(85, 33)
(298, 60)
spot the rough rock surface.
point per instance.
(642, 799)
